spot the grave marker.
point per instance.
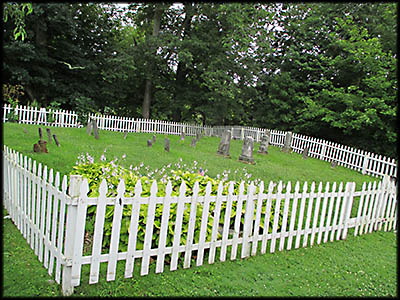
(305, 153)
(56, 140)
(264, 143)
(48, 134)
(223, 148)
(247, 150)
(40, 133)
(166, 144)
(154, 138)
(333, 164)
(286, 147)
(149, 144)
(89, 128)
(95, 129)
(125, 134)
(193, 143)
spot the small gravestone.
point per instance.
(25, 130)
(149, 144)
(125, 134)
(286, 147)
(264, 143)
(166, 144)
(56, 140)
(48, 134)
(223, 148)
(305, 153)
(154, 138)
(333, 164)
(193, 143)
(40, 133)
(95, 129)
(89, 127)
(247, 150)
(198, 136)
(182, 137)
(40, 147)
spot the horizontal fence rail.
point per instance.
(205, 226)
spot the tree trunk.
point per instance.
(149, 84)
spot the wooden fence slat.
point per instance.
(257, 218)
(151, 209)
(115, 233)
(328, 226)
(42, 211)
(49, 209)
(370, 203)
(376, 203)
(191, 226)
(285, 216)
(360, 208)
(335, 216)
(316, 214)
(276, 216)
(248, 221)
(309, 212)
(323, 214)
(54, 222)
(214, 233)
(301, 215)
(178, 227)
(203, 225)
(60, 236)
(38, 206)
(293, 212)
(227, 221)
(238, 216)
(98, 233)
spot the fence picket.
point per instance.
(54, 222)
(236, 228)
(257, 218)
(178, 227)
(276, 216)
(309, 212)
(60, 237)
(214, 233)
(49, 209)
(227, 219)
(98, 233)
(191, 226)
(42, 211)
(329, 226)
(285, 216)
(316, 214)
(336, 215)
(203, 225)
(323, 214)
(376, 203)
(301, 215)
(296, 196)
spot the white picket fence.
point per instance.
(52, 220)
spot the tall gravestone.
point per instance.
(193, 143)
(56, 140)
(89, 127)
(264, 143)
(166, 144)
(223, 148)
(305, 153)
(48, 134)
(247, 150)
(40, 133)
(125, 134)
(95, 129)
(182, 137)
(154, 138)
(149, 144)
(333, 164)
(288, 139)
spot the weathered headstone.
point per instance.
(286, 147)
(333, 164)
(149, 144)
(89, 128)
(305, 153)
(25, 130)
(56, 140)
(223, 148)
(125, 134)
(40, 133)
(198, 136)
(166, 144)
(40, 146)
(193, 143)
(264, 143)
(154, 138)
(182, 137)
(48, 134)
(247, 150)
(95, 129)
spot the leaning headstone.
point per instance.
(166, 144)
(154, 138)
(286, 147)
(40, 147)
(193, 143)
(125, 134)
(89, 128)
(48, 134)
(40, 133)
(247, 150)
(333, 164)
(95, 129)
(149, 144)
(305, 153)
(264, 143)
(56, 140)
(223, 148)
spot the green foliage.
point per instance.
(17, 11)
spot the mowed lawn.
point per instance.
(360, 266)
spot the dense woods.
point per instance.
(327, 70)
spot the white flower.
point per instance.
(123, 156)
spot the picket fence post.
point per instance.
(72, 209)
(349, 196)
(365, 164)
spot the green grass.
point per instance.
(274, 166)
(361, 266)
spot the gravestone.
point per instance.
(48, 134)
(89, 128)
(305, 153)
(40, 147)
(193, 143)
(247, 150)
(149, 144)
(95, 129)
(182, 137)
(264, 143)
(56, 140)
(166, 144)
(223, 148)
(40, 133)
(125, 134)
(25, 130)
(154, 138)
(198, 136)
(333, 164)
(288, 139)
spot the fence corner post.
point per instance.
(74, 192)
(350, 189)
